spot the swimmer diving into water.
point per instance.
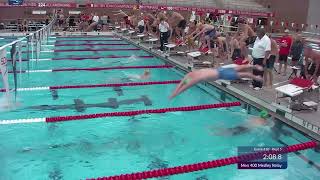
(224, 73)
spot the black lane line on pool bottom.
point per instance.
(80, 106)
(118, 90)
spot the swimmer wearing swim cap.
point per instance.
(253, 123)
(146, 74)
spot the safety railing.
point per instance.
(32, 42)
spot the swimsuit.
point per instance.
(227, 73)
(211, 33)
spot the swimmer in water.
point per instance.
(146, 75)
(253, 123)
(224, 73)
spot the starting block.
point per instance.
(311, 105)
(141, 36)
(169, 47)
(196, 63)
(131, 32)
(152, 41)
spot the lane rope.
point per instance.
(94, 69)
(97, 85)
(206, 165)
(88, 44)
(117, 114)
(96, 50)
(87, 58)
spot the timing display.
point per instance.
(271, 159)
(15, 2)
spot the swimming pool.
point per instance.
(111, 146)
(7, 39)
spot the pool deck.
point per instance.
(307, 121)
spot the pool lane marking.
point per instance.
(44, 51)
(121, 114)
(97, 85)
(23, 121)
(94, 69)
(83, 36)
(87, 58)
(90, 44)
(91, 40)
(96, 50)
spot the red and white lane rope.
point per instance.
(116, 114)
(95, 50)
(91, 44)
(86, 58)
(97, 85)
(96, 69)
(206, 165)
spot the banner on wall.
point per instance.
(40, 4)
(182, 8)
(4, 70)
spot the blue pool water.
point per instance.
(115, 145)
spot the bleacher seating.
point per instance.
(248, 5)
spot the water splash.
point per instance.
(131, 59)
(7, 103)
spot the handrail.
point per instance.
(30, 34)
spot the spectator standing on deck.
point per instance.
(164, 32)
(141, 25)
(312, 61)
(296, 50)
(260, 54)
(104, 21)
(285, 46)
(274, 54)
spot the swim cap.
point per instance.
(186, 81)
(264, 114)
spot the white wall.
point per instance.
(314, 14)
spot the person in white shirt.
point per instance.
(164, 33)
(94, 24)
(260, 54)
(141, 26)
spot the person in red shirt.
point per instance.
(285, 46)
